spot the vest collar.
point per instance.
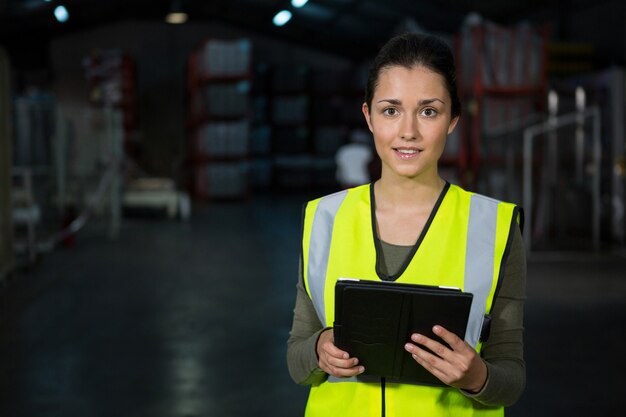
(377, 244)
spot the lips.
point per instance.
(406, 153)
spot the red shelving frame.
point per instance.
(473, 96)
(199, 114)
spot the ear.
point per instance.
(366, 112)
(453, 123)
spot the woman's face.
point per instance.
(410, 118)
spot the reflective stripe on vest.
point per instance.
(481, 238)
(319, 247)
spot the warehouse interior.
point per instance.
(155, 157)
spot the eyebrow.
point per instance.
(423, 102)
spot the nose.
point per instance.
(409, 128)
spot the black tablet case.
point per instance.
(374, 320)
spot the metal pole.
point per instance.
(595, 191)
(529, 134)
(548, 197)
(114, 130)
(580, 132)
(60, 158)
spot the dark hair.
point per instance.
(410, 50)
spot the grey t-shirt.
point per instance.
(502, 352)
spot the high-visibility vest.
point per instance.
(464, 244)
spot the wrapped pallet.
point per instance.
(225, 58)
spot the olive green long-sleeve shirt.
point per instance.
(502, 352)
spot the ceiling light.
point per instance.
(177, 15)
(61, 14)
(282, 17)
(298, 3)
(176, 18)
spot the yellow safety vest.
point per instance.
(464, 244)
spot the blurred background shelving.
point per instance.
(240, 107)
(144, 165)
(219, 78)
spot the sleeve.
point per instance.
(503, 352)
(302, 358)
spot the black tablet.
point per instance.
(374, 320)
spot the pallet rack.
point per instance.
(503, 85)
(112, 82)
(218, 86)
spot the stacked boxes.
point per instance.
(222, 139)
(226, 99)
(307, 114)
(502, 56)
(291, 140)
(219, 83)
(503, 83)
(291, 110)
(34, 126)
(222, 58)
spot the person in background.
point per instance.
(411, 226)
(353, 160)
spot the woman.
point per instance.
(412, 226)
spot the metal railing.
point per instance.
(550, 127)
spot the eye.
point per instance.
(390, 111)
(429, 112)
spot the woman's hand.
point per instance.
(460, 366)
(335, 361)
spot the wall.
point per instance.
(161, 53)
(602, 25)
(6, 228)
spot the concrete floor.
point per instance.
(191, 319)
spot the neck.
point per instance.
(407, 192)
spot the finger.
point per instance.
(434, 346)
(342, 363)
(450, 338)
(432, 363)
(423, 357)
(341, 367)
(346, 373)
(334, 351)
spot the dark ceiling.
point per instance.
(350, 27)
